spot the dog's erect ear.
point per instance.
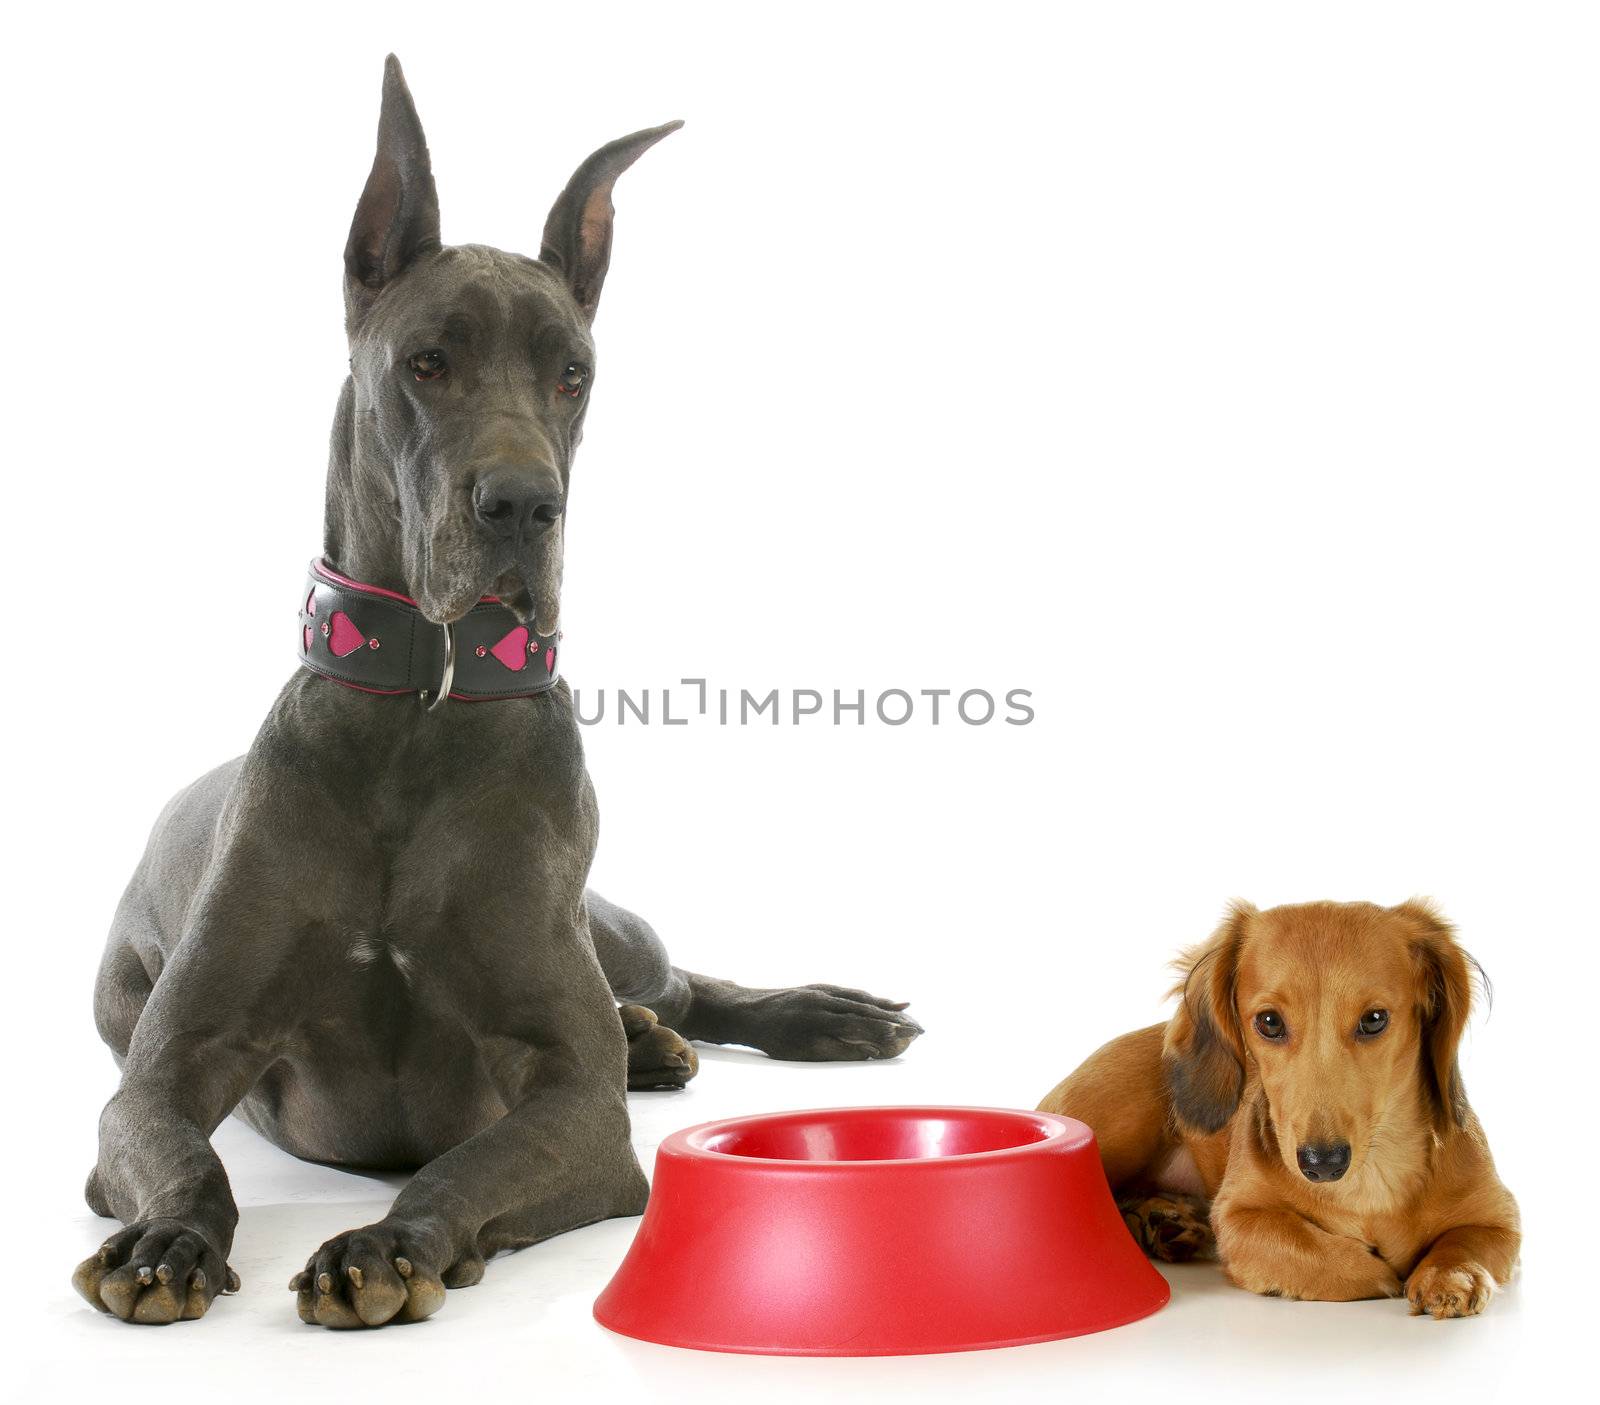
(398, 216)
(1444, 1002)
(1202, 1052)
(577, 234)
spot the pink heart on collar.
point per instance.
(512, 651)
(343, 636)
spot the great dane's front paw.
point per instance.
(367, 1277)
(1462, 1291)
(155, 1272)
(657, 1056)
(831, 1022)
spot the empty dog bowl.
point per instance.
(878, 1231)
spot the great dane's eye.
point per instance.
(573, 379)
(1269, 1025)
(1374, 1022)
(428, 365)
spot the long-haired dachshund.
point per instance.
(1302, 1116)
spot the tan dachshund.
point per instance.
(1307, 1088)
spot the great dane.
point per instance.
(370, 937)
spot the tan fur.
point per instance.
(1205, 1099)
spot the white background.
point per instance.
(1224, 374)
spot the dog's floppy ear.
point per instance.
(577, 233)
(1444, 1001)
(398, 215)
(1202, 1052)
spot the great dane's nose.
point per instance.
(1323, 1161)
(512, 501)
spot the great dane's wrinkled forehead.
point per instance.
(472, 294)
(471, 369)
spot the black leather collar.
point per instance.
(377, 640)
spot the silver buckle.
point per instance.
(449, 673)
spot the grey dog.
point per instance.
(370, 936)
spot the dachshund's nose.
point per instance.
(510, 501)
(1323, 1161)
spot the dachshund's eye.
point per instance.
(1269, 1025)
(1374, 1022)
(573, 379)
(428, 365)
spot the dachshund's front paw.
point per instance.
(1462, 1291)
(1172, 1228)
(368, 1277)
(657, 1056)
(830, 1022)
(155, 1272)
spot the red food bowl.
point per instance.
(879, 1231)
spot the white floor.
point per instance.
(527, 1329)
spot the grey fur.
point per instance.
(370, 937)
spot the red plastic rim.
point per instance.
(856, 1136)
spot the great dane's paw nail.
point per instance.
(298, 1281)
(145, 1276)
(232, 1285)
(198, 1282)
(324, 1282)
(402, 1266)
(163, 1273)
(354, 1275)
